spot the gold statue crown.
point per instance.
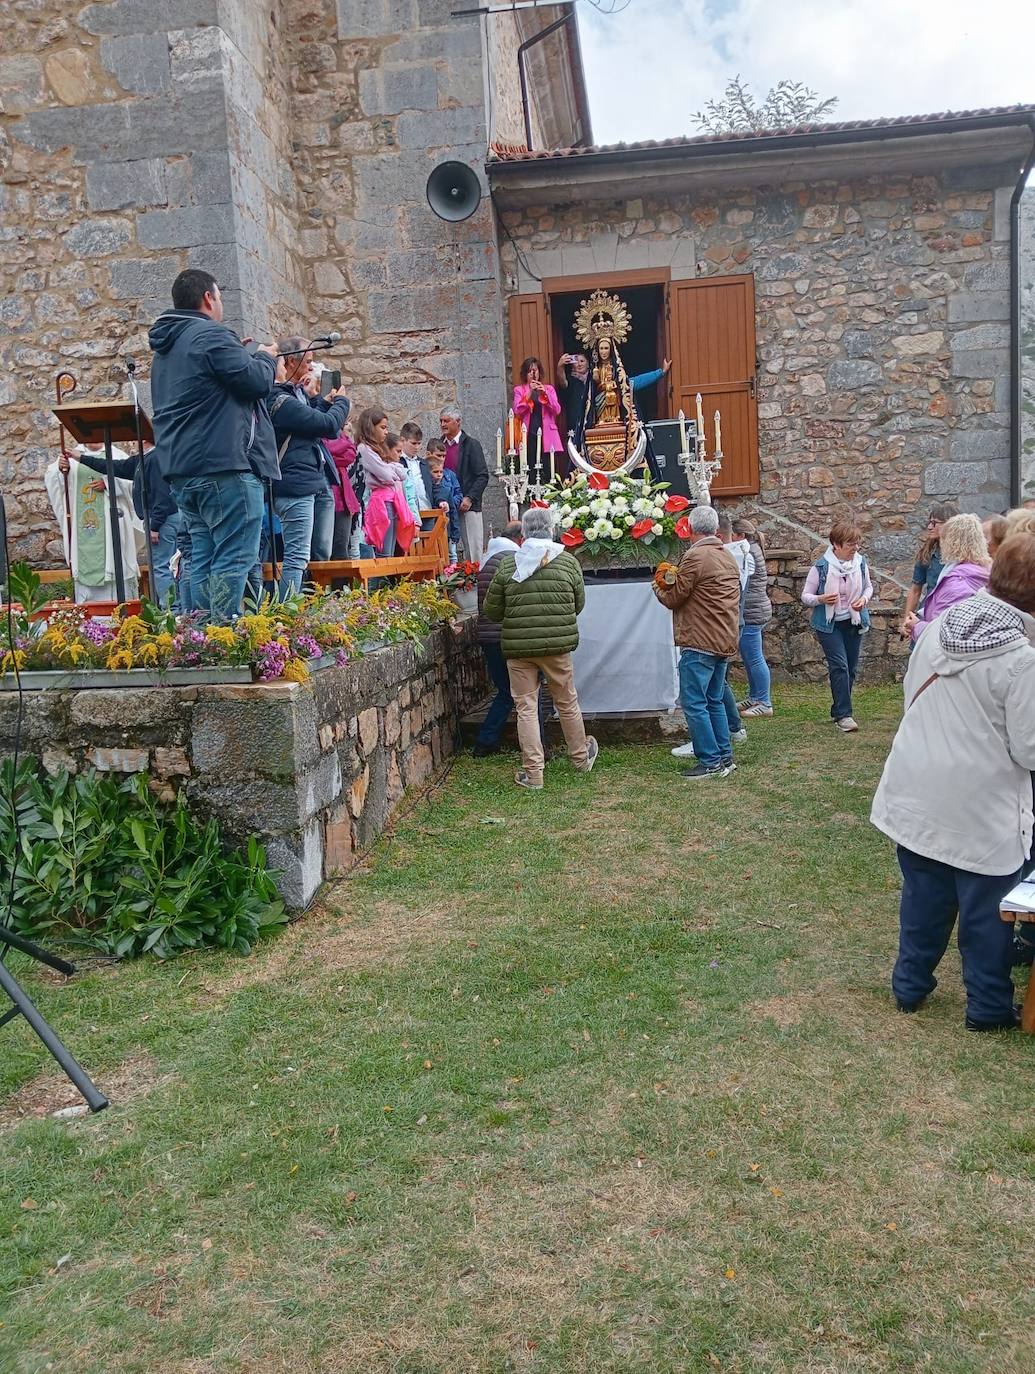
(602, 316)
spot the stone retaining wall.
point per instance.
(315, 771)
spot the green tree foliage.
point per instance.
(788, 105)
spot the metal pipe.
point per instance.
(1016, 357)
(530, 43)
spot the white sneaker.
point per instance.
(847, 724)
(683, 751)
(738, 736)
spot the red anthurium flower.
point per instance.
(540, 505)
(683, 527)
(598, 481)
(676, 503)
(641, 528)
(572, 538)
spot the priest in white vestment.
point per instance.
(89, 551)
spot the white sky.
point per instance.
(650, 67)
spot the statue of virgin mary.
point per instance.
(610, 437)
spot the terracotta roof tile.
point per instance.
(511, 152)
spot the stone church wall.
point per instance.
(882, 314)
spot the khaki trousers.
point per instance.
(560, 682)
(473, 530)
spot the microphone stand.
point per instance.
(145, 502)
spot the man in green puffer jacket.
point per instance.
(536, 595)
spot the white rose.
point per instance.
(658, 529)
(628, 521)
(567, 522)
(615, 532)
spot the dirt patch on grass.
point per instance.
(129, 1081)
(329, 939)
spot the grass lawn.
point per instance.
(604, 1078)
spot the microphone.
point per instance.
(326, 340)
(130, 365)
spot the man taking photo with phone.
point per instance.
(213, 437)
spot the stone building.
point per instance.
(840, 294)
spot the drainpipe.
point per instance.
(1016, 387)
(530, 43)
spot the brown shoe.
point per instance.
(523, 780)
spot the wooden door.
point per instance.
(712, 346)
(530, 334)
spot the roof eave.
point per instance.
(811, 156)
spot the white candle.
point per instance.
(499, 450)
(700, 418)
(718, 432)
(538, 451)
(682, 433)
(511, 432)
(524, 449)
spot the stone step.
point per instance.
(628, 727)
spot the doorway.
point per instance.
(643, 351)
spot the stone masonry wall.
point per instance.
(136, 140)
(385, 91)
(882, 335)
(315, 771)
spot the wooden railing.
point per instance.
(425, 559)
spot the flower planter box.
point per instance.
(465, 599)
(72, 679)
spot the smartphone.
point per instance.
(329, 381)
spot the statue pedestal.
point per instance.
(606, 446)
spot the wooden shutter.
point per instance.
(530, 334)
(712, 342)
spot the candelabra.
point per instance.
(699, 468)
(512, 466)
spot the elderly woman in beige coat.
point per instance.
(956, 793)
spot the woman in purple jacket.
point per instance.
(964, 552)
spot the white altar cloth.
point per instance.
(626, 660)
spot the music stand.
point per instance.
(22, 1005)
(106, 422)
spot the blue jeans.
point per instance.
(161, 552)
(753, 658)
(841, 645)
(933, 894)
(223, 513)
(502, 703)
(296, 523)
(702, 682)
(729, 705)
(323, 526)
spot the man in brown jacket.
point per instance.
(704, 598)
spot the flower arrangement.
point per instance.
(620, 518)
(459, 577)
(276, 640)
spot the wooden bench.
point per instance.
(1028, 1010)
(425, 559)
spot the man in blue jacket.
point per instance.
(213, 436)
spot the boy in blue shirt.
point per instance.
(445, 493)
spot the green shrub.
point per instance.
(103, 864)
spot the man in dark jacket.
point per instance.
(464, 456)
(307, 471)
(213, 436)
(163, 517)
(536, 596)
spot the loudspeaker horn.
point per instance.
(453, 191)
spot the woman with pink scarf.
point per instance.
(388, 521)
(964, 552)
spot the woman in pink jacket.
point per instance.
(388, 524)
(537, 407)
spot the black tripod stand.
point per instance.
(22, 1004)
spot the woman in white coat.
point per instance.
(956, 794)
